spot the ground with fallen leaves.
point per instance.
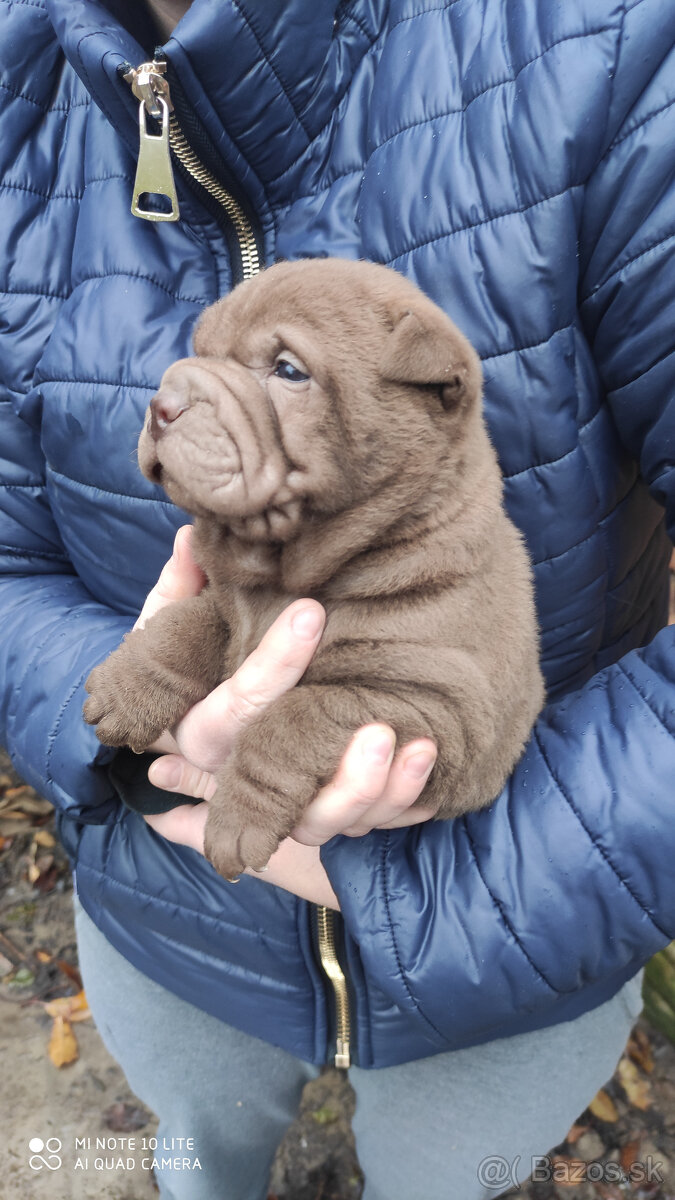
(59, 1082)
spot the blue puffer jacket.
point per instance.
(516, 160)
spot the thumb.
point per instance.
(180, 577)
(174, 773)
(184, 824)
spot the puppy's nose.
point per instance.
(165, 407)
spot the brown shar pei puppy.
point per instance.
(328, 440)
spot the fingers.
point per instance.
(207, 732)
(181, 577)
(184, 825)
(408, 775)
(173, 773)
(279, 660)
(371, 789)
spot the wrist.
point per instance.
(298, 869)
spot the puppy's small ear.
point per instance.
(426, 348)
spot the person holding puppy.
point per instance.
(517, 167)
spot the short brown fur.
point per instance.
(371, 486)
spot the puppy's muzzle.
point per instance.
(165, 407)
(211, 441)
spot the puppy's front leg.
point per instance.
(157, 673)
(279, 763)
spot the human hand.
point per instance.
(374, 786)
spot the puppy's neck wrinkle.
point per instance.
(452, 544)
(323, 547)
(380, 525)
(446, 536)
(228, 560)
(382, 546)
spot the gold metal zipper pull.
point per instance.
(154, 172)
(342, 1054)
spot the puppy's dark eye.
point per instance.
(286, 370)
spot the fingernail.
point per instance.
(164, 774)
(419, 765)
(307, 623)
(379, 749)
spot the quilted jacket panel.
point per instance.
(516, 162)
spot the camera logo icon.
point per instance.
(44, 1154)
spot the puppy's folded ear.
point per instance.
(426, 348)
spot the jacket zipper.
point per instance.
(154, 171)
(154, 176)
(338, 979)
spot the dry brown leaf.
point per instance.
(629, 1155)
(71, 972)
(568, 1172)
(33, 872)
(80, 1011)
(47, 879)
(575, 1133)
(61, 1007)
(603, 1107)
(63, 1043)
(80, 1016)
(25, 801)
(637, 1089)
(71, 1008)
(43, 956)
(9, 829)
(21, 790)
(640, 1050)
(44, 838)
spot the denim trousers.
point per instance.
(463, 1125)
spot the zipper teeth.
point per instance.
(331, 966)
(250, 262)
(250, 259)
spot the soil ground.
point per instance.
(621, 1149)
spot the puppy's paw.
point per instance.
(245, 825)
(232, 843)
(121, 713)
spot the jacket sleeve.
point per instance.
(567, 880)
(53, 632)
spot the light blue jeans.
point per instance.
(451, 1127)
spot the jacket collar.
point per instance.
(263, 80)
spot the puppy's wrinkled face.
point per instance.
(313, 386)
